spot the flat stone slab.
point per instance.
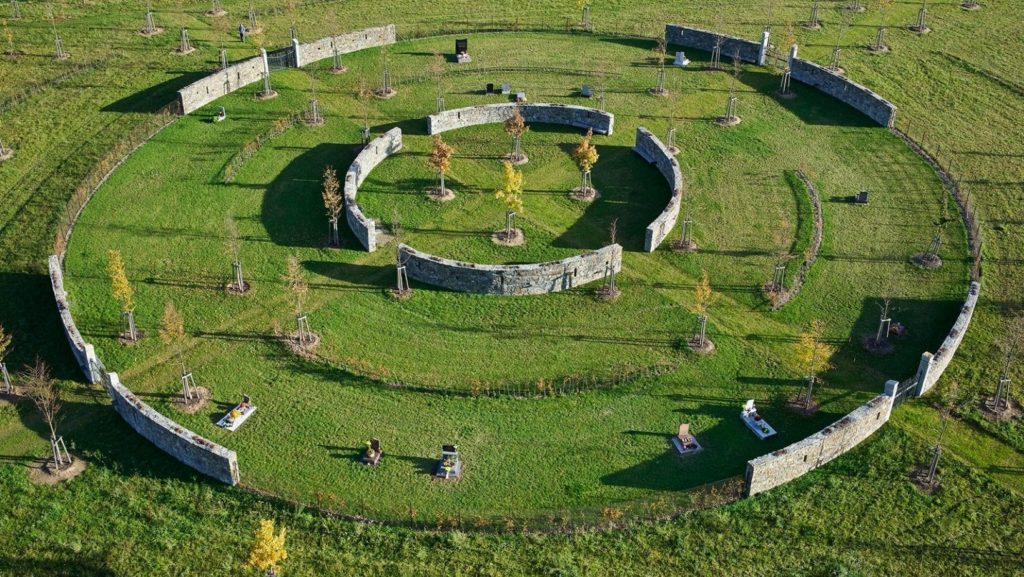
(682, 449)
(233, 425)
(760, 428)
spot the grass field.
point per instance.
(959, 86)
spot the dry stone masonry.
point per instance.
(201, 454)
(230, 79)
(654, 151)
(373, 154)
(859, 97)
(933, 365)
(786, 464)
(511, 279)
(579, 116)
(703, 40)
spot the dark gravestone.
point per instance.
(490, 88)
(862, 197)
(461, 46)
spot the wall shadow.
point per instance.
(155, 97)
(293, 211)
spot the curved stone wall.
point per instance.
(933, 365)
(579, 116)
(786, 464)
(859, 97)
(197, 452)
(209, 88)
(368, 158)
(731, 46)
(510, 279)
(654, 151)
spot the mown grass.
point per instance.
(956, 83)
(521, 456)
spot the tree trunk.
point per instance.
(810, 392)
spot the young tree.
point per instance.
(267, 548)
(702, 299)
(585, 155)
(1009, 344)
(440, 160)
(436, 69)
(296, 282)
(172, 334)
(333, 203)
(6, 387)
(42, 389)
(511, 193)
(516, 127)
(884, 320)
(123, 294)
(234, 242)
(364, 96)
(659, 56)
(815, 356)
(731, 118)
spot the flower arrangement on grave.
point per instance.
(234, 414)
(370, 453)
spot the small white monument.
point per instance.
(754, 422)
(681, 59)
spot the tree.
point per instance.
(440, 160)
(879, 46)
(1009, 344)
(123, 294)
(516, 127)
(815, 356)
(436, 69)
(267, 548)
(585, 155)
(5, 377)
(363, 95)
(234, 250)
(333, 203)
(511, 193)
(172, 334)
(42, 389)
(296, 282)
(702, 299)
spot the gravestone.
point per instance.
(585, 91)
(506, 89)
(449, 466)
(373, 453)
(681, 59)
(489, 89)
(462, 51)
(221, 114)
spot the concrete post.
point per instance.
(792, 55)
(923, 369)
(298, 54)
(762, 55)
(890, 392)
(266, 63)
(91, 367)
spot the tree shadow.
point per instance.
(293, 211)
(422, 465)
(359, 277)
(633, 193)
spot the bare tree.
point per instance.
(234, 245)
(296, 282)
(1009, 345)
(42, 389)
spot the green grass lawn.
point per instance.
(959, 86)
(166, 206)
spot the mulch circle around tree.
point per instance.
(706, 349)
(385, 94)
(9, 399)
(305, 350)
(797, 405)
(155, 32)
(232, 288)
(398, 295)
(786, 95)
(656, 92)
(927, 260)
(201, 399)
(516, 238)
(42, 472)
(607, 293)
(261, 95)
(184, 53)
(683, 246)
(972, 7)
(127, 341)
(517, 160)
(919, 477)
(339, 69)
(879, 349)
(438, 195)
(879, 50)
(1011, 411)
(580, 194)
(727, 121)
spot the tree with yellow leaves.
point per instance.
(585, 155)
(440, 160)
(267, 549)
(123, 294)
(333, 203)
(702, 297)
(815, 356)
(511, 193)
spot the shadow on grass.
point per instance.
(154, 97)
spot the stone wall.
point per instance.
(510, 279)
(859, 97)
(933, 365)
(685, 37)
(373, 154)
(85, 354)
(567, 114)
(209, 88)
(346, 43)
(198, 453)
(786, 464)
(654, 151)
(201, 454)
